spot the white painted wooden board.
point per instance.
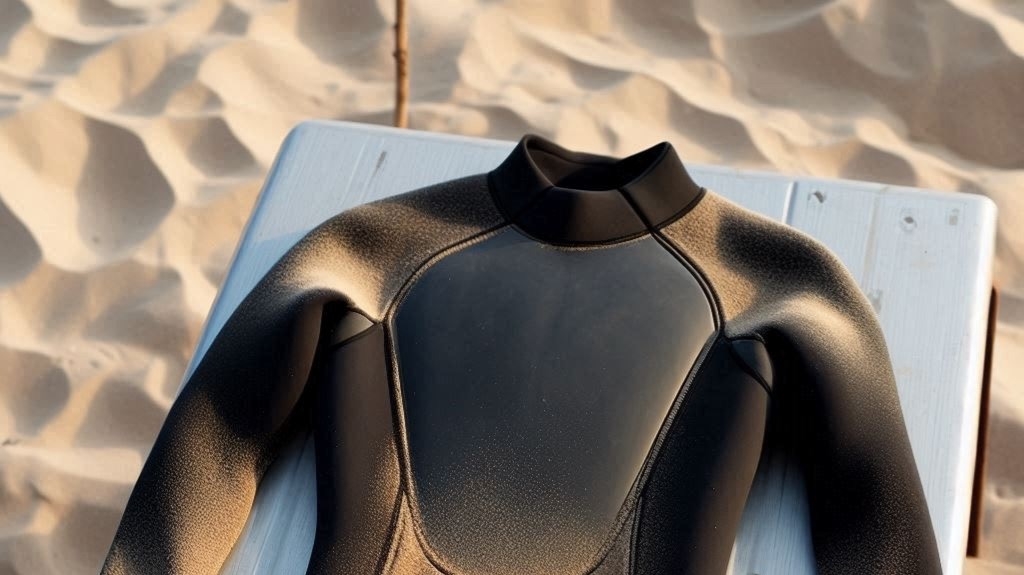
(923, 258)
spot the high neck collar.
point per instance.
(566, 197)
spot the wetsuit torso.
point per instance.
(568, 365)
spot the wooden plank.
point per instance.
(932, 310)
(763, 192)
(931, 291)
(825, 210)
(278, 536)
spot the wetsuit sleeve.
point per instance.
(867, 505)
(197, 486)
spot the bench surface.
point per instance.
(923, 259)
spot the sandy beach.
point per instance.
(134, 137)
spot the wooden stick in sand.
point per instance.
(401, 66)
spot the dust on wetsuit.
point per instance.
(568, 365)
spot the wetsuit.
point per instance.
(567, 365)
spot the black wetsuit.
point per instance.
(568, 365)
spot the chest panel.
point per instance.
(534, 382)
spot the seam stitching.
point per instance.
(394, 380)
(681, 408)
(747, 367)
(717, 311)
(391, 548)
(350, 339)
(631, 564)
(710, 292)
(702, 280)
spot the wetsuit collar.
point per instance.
(566, 197)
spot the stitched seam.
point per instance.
(667, 221)
(583, 243)
(620, 523)
(583, 246)
(678, 404)
(702, 276)
(682, 408)
(511, 218)
(334, 346)
(636, 491)
(390, 550)
(575, 243)
(717, 315)
(631, 565)
(749, 368)
(390, 546)
(394, 382)
(716, 308)
(685, 209)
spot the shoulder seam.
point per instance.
(717, 311)
(433, 259)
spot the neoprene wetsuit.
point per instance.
(568, 365)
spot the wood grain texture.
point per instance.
(923, 258)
